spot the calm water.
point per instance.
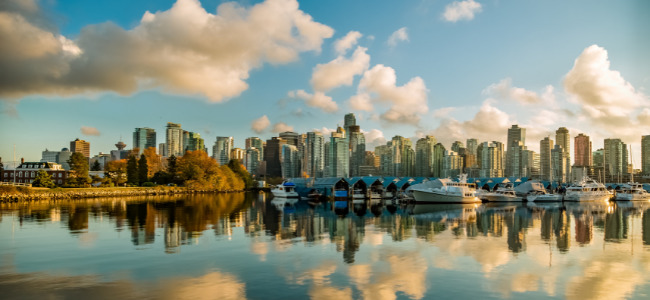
(240, 246)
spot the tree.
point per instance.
(132, 170)
(79, 167)
(115, 171)
(143, 169)
(43, 180)
(96, 166)
(2, 168)
(239, 169)
(153, 161)
(172, 162)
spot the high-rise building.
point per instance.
(583, 156)
(272, 156)
(424, 156)
(290, 161)
(558, 164)
(401, 157)
(545, 147)
(255, 142)
(162, 149)
(348, 121)
(339, 154)
(645, 155)
(357, 149)
(383, 155)
(491, 159)
(291, 137)
(598, 156)
(563, 139)
(252, 160)
(370, 166)
(174, 140)
(437, 164)
(516, 144)
(237, 153)
(314, 154)
(222, 148)
(144, 138)
(615, 160)
(456, 146)
(80, 146)
(472, 144)
(452, 164)
(192, 141)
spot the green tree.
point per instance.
(143, 169)
(43, 180)
(132, 170)
(236, 166)
(79, 167)
(172, 169)
(96, 166)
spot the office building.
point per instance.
(583, 153)
(314, 154)
(222, 148)
(645, 155)
(290, 161)
(558, 164)
(545, 147)
(563, 139)
(515, 145)
(252, 160)
(174, 140)
(257, 143)
(615, 160)
(80, 146)
(357, 146)
(424, 156)
(491, 156)
(144, 138)
(272, 156)
(338, 154)
(192, 141)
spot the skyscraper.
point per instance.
(252, 160)
(257, 143)
(424, 156)
(314, 154)
(558, 164)
(402, 156)
(615, 160)
(192, 141)
(583, 156)
(645, 155)
(144, 138)
(357, 149)
(437, 164)
(339, 154)
(222, 148)
(272, 156)
(516, 144)
(563, 139)
(491, 159)
(472, 144)
(456, 146)
(291, 137)
(545, 147)
(80, 146)
(348, 121)
(452, 164)
(174, 140)
(290, 161)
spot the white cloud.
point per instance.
(340, 71)
(318, 100)
(407, 102)
(361, 102)
(345, 43)
(182, 50)
(326, 132)
(505, 90)
(85, 130)
(260, 124)
(399, 35)
(374, 138)
(463, 10)
(281, 127)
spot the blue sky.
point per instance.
(109, 66)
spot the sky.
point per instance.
(96, 70)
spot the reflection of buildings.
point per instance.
(645, 227)
(584, 229)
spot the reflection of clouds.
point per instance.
(406, 273)
(604, 280)
(210, 286)
(87, 239)
(260, 248)
(489, 252)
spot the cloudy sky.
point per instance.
(454, 69)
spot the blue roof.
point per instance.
(371, 180)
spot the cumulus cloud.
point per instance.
(361, 102)
(181, 50)
(318, 100)
(505, 90)
(604, 96)
(340, 71)
(260, 124)
(281, 127)
(85, 130)
(374, 138)
(400, 35)
(461, 10)
(345, 43)
(407, 102)
(326, 132)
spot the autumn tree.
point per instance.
(43, 180)
(143, 169)
(116, 171)
(239, 169)
(153, 161)
(132, 170)
(79, 167)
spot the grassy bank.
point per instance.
(15, 194)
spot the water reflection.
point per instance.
(381, 249)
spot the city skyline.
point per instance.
(454, 70)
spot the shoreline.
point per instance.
(35, 194)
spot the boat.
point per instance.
(587, 190)
(632, 191)
(285, 190)
(445, 191)
(542, 196)
(358, 194)
(504, 193)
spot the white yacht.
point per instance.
(445, 191)
(542, 196)
(505, 193)
(285, 190)
(587, 190)
(632, 191)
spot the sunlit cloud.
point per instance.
(281, 127)
(400, 35)
(317, 100)
(345, 43)
(260, 124)
(340, 71)
(85, 130)
(461, 10)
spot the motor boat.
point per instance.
(285, 190)
(542, 196)
(445, 191)
(632, 191)
(504, 193)
(587, 190)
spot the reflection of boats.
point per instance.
(358, 194)
(543, 196)
(314, 194)
(505, 193)
(284, 204)
(444, 212)
(587, 190)
(445, 191)
(285, 190)
(632, 191)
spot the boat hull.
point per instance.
(632, 197)
(582, 197)
(425, 197)
(291, 195)
(500, 198)
(545, 198)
